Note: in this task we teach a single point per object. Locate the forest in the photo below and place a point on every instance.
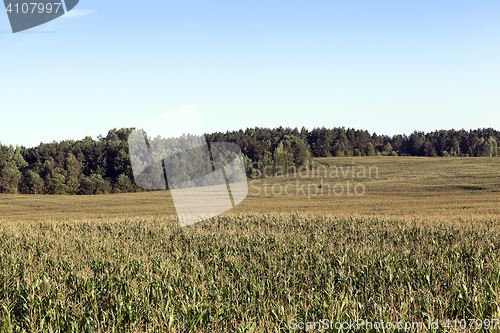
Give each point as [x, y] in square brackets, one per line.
[88, 166]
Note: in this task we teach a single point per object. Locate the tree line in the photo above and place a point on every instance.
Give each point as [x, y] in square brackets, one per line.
[91, 166]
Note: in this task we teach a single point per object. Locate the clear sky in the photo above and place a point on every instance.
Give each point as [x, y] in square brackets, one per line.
[386, 66]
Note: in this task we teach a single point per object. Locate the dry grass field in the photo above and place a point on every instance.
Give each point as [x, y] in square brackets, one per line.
[406, 187]
[422, 244]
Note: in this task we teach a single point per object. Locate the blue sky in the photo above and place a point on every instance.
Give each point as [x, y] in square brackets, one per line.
[386, 66]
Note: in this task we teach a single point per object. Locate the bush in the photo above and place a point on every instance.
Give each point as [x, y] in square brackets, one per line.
[94, 184]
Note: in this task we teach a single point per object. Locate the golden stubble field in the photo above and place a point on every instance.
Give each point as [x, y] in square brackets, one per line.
[409, 187]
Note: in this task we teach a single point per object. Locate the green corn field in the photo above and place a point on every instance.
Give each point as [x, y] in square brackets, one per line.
[245, 273]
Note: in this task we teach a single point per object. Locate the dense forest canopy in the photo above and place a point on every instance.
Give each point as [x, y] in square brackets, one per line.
[103, 166]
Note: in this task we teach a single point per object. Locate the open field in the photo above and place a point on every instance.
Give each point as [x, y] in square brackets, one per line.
[422, 244]
[405, 187]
